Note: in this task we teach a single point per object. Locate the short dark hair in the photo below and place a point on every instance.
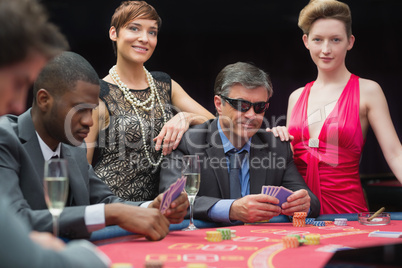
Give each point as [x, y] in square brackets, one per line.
[129, 11]
[246, 74]
[62, 73]
[24, 28]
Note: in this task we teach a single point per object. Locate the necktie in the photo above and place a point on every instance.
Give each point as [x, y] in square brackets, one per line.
[235, 161]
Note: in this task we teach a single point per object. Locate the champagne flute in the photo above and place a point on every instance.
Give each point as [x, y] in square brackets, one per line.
[191, 171]
[55, 186]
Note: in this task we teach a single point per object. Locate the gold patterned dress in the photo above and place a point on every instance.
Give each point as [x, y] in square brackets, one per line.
[120, 158]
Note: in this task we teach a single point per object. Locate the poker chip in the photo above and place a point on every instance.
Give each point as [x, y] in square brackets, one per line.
[196, 265]
[312, 239]
[290, 242]
[310, 220]
[319, 223]
[328, 223]
[341, 222]
[121, 265]
[299, 219]
[233, 233]
[152, 264]
[226, 233]
[295, 235]
[300, 215]
[299, 238]
[214, 236]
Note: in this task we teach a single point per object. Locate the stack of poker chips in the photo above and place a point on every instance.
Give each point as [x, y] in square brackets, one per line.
[196, 265]
[300, 238]
[153, 264]
[290, 242]
[341, 221]
[299, 219]
[319, 223]
[214, 236]
[310, 220]
[328, 223]
[226, 233]
[312, 239]
[121, 265]
[233, 232]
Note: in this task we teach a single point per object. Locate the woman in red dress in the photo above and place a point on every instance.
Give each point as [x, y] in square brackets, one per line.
[330, 116]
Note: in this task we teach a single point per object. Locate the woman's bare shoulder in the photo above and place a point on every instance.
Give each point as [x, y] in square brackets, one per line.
[294, 96]
[368, 87]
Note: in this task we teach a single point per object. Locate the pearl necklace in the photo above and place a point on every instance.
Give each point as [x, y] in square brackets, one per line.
[137, 103]
[129, 96]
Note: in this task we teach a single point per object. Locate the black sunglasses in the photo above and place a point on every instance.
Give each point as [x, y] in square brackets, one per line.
[244, 106]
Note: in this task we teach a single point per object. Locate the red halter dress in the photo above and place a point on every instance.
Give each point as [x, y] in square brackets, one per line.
[330, 165]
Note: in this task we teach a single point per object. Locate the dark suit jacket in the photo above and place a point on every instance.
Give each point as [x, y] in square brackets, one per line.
[18, 250]
[21, 178]
[271, 163]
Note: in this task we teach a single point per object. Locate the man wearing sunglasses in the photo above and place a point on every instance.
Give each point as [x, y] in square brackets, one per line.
[230, 193]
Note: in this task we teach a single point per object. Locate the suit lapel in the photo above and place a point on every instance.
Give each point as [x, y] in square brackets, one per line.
[259, 175]
[76, 181]
[215, 151]
[29, 140]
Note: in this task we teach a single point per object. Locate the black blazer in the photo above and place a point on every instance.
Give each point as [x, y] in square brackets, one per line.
[271, 163]
[21, 178]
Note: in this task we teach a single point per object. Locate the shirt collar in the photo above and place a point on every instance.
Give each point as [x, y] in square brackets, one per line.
[46, 151]
[227, 145]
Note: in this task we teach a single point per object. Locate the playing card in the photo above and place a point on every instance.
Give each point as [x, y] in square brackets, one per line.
[264, 189]
[282, 195]
[270, 189]
[172, 193]
[275, 191]
[279, 192]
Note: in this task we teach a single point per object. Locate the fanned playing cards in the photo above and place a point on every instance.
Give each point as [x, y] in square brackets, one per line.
[172, 193]
[279, 192]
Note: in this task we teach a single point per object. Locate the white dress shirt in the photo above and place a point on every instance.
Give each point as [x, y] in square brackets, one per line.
[94, 214]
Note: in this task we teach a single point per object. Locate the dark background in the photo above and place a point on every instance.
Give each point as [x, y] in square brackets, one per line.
[199, 38]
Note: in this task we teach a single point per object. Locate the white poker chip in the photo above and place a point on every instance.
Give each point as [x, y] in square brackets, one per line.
[340, 221]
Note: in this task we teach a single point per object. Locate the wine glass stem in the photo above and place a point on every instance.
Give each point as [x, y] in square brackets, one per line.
[55, 225]
[191, 214]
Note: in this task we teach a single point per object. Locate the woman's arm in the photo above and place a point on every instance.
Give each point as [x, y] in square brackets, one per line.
[282, 131]
[194, 112]
[190, 113]
[380, 121]
[100, 118]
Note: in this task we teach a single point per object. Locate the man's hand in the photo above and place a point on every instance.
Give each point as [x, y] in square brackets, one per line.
[177, 209]
[253, 208]
[299, 201]
[147, 221]
[47, 240]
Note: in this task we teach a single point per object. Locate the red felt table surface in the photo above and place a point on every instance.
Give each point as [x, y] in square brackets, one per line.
[255, 246]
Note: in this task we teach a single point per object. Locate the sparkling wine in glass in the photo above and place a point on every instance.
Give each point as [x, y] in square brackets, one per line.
[55, 186]
[191, 171]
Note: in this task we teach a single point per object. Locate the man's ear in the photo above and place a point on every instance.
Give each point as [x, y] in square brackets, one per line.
[44, 100]
[218, 104]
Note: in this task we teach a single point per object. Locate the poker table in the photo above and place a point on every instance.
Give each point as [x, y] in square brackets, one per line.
[255, 245]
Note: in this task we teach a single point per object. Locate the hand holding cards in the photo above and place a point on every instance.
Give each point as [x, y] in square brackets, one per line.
[172, 193]
[279, 192]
